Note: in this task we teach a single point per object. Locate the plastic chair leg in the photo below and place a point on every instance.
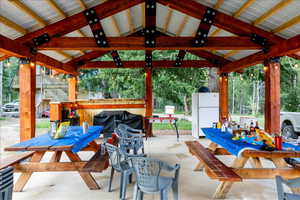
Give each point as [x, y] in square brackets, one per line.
[124, 181]
[143, 150]
[175, 191]
[140, 195]
[111, 178]
[164, 194]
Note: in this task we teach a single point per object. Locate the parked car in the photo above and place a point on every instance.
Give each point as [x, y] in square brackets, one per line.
[46, 114]
[290, 124]
[11, 107]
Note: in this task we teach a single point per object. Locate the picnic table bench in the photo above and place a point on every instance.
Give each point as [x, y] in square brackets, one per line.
[222, 145]
[73, 142]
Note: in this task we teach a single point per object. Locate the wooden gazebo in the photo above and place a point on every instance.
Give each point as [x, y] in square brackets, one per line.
[230, 35]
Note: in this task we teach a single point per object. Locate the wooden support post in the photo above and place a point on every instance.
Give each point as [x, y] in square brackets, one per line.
[72, 88]
[272, 95]
[27, 82]
[223, 90]
[148, 99]
[55, 112]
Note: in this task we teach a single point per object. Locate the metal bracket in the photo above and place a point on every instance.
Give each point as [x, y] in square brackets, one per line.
[91, 16]
[150, 7]
[260, 41]
[148, 59]
[150, 36]
[116, 58]
[202, 33]
[80, 63]
[24, 60]
[100, 38]
[179, 58]
[209, 16]
[42, 39]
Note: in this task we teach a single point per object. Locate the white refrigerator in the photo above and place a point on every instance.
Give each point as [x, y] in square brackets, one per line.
[205, 111]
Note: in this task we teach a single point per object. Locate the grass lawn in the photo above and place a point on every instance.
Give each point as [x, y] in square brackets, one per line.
[43, 123]
[2, 118]
[182, 125]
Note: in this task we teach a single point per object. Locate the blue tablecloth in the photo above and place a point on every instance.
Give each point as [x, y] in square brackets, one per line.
[235, 147]
[74, 137]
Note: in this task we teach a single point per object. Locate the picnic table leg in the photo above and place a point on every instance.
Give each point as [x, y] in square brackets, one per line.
[255, 162]
[24, 177]
[86, 176]
[225, 186]
[56, 156]
[279, 162]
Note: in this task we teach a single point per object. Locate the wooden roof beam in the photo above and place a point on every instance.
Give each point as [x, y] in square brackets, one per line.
[12, 25]
[78, 21]
[86, 58]
[137, 43]
[13, 48]
[59, 11]
[222, 20]
[263, 17]
[155, 64]
[182, 25]
[272, 11]
[36, 17]
[287, 47]
[287, 24]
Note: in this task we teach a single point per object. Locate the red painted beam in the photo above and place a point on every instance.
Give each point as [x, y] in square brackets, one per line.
[137, 43]
[78, 21]
[287, 47]
[13, 48]
[222, 20]
[156, 64]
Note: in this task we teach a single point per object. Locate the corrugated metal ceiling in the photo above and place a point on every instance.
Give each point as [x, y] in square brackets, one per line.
[71, 7]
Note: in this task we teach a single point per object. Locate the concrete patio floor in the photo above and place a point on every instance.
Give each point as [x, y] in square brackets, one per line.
[193, 185]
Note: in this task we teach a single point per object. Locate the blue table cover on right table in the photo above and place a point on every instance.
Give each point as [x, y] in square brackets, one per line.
[236, 147]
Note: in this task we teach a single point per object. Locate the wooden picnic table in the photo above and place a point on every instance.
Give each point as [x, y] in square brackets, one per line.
[73, 142]
[237, 172]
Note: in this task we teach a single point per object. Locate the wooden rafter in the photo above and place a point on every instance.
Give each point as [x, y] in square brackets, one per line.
[168, 19]
[272, 11]
[86, 58]
[28, 11]
[287, 24]
[137, 43]
[82, 4]
[218, 4]
[286, 47]
[12, 25]
[13, 48]
[222, 20]
[116, 25]
[59, 11]
[246, 5]
[77, 21]
[182, 25]
[210, 56]
[36, 17]
[143, 15]
[155, 64]
[130, 20]
[263, 17]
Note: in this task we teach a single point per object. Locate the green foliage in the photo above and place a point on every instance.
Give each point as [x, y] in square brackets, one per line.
[10, 71]
[43, 124]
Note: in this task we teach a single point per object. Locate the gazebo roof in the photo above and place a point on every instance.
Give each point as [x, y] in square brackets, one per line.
[20, 17]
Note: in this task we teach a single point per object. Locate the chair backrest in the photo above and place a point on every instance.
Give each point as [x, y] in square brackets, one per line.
[147, 171]
[115, 155]
[292, 183]
[6, 183]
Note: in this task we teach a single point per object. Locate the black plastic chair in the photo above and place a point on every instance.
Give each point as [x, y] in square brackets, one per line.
[6, 183]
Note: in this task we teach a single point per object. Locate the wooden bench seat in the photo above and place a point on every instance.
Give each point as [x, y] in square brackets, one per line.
[216, 169]
[97, 163]
[9, 161]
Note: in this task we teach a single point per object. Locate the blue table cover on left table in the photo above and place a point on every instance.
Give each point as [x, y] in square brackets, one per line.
[74, 137]
[235, 147]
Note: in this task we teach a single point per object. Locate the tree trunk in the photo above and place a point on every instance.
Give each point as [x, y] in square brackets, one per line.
[213, 83]
[186, 105]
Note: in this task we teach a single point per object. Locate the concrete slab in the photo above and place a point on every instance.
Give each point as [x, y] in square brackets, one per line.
[193, 185]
